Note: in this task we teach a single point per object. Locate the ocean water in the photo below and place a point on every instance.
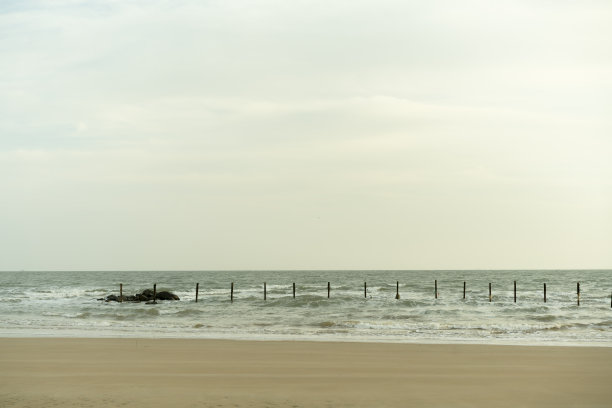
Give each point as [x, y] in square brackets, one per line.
[63, 304]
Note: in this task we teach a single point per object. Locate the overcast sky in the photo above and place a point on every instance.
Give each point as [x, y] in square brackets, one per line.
[305, 134]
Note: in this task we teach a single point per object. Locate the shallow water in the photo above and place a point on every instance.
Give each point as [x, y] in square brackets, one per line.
[63, 304]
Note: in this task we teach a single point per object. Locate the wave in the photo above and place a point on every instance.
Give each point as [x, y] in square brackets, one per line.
[187, 313]
[11, 300]
[543, 318]
[604, 324]
[556, 328]
[130, 314]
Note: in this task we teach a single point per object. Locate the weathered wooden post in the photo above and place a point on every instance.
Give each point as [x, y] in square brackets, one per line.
[197, 289]
[265, 292]
[436, 288]
[155, 293]
[232, 292]
[397, 296]
[121, 292]
[328, 289]
[490, 296]
[578, 292]
[514, 291]
[464, 290]
[365, 289]
[294, 290]
[610, 300]
[544, 293]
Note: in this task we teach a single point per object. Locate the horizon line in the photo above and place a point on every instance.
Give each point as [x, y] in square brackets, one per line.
[310, 270]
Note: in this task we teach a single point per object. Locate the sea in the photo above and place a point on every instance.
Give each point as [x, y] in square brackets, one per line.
[361, 306]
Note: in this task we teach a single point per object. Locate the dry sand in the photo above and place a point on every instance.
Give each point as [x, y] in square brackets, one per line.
[216, 373]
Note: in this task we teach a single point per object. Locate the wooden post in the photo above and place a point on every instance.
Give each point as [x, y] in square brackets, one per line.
[232, 292]
[155, 293]
[544, 293]
[397, 296]
[514, 291]
[490, 296]
[121, 292]
[578, 292]
[436, 288]
[365, 289]
[610, 300]
[265, 292]
[294, 290]
[464, 290]
[328, 289]
[197, 289]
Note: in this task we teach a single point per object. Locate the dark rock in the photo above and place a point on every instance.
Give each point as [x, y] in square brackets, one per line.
[145, 296]
[148, 293]
[166, 296]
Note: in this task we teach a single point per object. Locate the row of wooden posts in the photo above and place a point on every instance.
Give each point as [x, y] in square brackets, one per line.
[365, 291]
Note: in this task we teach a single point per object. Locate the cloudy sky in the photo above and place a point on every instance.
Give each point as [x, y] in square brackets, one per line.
[298, 134]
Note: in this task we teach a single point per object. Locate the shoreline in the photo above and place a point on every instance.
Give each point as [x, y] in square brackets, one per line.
[132, 372]
[326, 339]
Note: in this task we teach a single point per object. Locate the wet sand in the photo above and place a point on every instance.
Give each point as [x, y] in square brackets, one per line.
[220, 373]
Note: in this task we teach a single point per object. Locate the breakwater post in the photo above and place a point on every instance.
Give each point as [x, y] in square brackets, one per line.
[294, 290]
[514, 291]
[463, 290]
[265, 292]
[578, 292]
[397, 296]
[436, 288]
[197, 289]
[365, 289]
[121, 292]
[328, 289]
[544, 293]
[490, 296]
[155, 293]
[232, 292]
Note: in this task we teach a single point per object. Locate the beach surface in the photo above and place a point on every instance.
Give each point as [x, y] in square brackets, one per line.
[37, 372]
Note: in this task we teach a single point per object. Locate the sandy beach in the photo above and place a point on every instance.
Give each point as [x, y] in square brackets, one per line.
[218, 373]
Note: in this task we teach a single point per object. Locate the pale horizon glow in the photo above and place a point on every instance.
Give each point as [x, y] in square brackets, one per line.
[247, 135]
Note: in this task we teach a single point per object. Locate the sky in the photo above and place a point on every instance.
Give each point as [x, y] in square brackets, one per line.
[270, 134]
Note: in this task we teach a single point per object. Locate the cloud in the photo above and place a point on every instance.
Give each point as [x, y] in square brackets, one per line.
[375, 135]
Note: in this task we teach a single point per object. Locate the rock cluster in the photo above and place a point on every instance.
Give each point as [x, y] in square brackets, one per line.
[145, 296]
